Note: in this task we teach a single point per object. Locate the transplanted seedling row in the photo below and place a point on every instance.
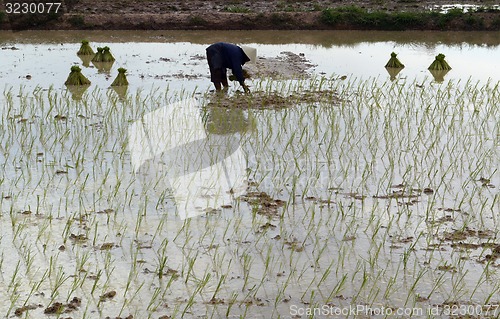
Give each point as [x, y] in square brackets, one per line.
[377, 193]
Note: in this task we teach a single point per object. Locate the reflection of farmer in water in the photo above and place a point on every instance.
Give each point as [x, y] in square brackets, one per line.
[196, 155]
[222, 120]
[222, 56]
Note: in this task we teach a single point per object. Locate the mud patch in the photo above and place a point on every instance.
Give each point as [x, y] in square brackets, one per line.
[59, 308]
[273, 100]
[286, 66]
[109, 295]
[264, 204]
[19, 311]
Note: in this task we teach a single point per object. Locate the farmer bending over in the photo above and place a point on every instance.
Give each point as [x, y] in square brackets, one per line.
[222, 56]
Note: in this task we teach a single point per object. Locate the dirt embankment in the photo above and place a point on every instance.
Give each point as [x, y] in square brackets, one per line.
[255, 15]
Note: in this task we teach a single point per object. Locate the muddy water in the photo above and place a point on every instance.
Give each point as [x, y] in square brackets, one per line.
[387, 196]
[176, 59]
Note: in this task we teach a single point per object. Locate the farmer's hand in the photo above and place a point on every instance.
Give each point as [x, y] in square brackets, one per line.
[245, 87]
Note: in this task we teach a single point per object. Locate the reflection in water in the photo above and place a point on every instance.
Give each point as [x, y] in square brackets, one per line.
[221, 120]
[439, 75]
[121, 91]
[204, 170]
[103, 67]
[321, 38]
[85, 60]
[156, 59]
[77, 91]
[393, 72]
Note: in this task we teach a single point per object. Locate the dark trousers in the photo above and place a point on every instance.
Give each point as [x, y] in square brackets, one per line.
[218, 73]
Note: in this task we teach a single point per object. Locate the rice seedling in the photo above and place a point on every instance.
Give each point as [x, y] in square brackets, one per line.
[85, 49]
[372, 195]
[98, 57]
[439, 63]
[394, 62]
[76, 78]
[121, 79]
[106, 55]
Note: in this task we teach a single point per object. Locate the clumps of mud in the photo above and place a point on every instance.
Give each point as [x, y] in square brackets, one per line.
[107, 246]
[286, 66]
[215, 301]
[19, 311]
[463, 234]
[109, 295]
[56, 308]
[485, 182]
[105, 211]
[167, 272]
[80, 238]
[180, 76]
[469, 239]
[295, 245]
[405, 195]
[264, 204]
[59, 308]
[273, 100]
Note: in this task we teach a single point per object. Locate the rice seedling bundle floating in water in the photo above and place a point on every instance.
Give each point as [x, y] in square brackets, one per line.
[98, 55]
[85, 49]
[121, 78]
[76, 77]
[394, 62]
[439, 63]
[106, 55]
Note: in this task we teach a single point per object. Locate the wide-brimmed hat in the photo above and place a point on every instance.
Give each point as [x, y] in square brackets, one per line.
[250, 52]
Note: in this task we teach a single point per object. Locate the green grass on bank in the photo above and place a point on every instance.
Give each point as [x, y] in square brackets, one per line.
[382, 20]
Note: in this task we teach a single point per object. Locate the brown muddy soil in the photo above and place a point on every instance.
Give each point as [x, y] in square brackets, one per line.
[267, 6]
[229, 15]
[287, 65]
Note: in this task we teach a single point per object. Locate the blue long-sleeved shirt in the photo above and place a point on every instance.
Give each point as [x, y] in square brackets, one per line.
[232, 57]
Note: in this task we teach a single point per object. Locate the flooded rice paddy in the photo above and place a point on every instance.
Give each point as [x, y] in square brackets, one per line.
[339, 192]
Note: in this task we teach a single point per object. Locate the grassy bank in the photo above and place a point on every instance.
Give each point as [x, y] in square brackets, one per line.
[357, 18]
[243, 18]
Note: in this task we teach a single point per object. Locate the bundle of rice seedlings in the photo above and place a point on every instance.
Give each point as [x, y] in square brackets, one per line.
[76, 77]
[85, 49]
[394, 62]
[120, 79]
[246, 75]
[98, 56]
[439, 63]
[106, 55]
